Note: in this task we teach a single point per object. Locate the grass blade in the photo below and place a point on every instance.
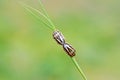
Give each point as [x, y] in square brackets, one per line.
[45, 12]
[79, 69]
[43, 9]
[29, 9]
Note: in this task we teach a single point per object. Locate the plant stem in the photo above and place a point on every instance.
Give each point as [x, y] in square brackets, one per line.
[78, 68]
[45, 12]
[29, 9]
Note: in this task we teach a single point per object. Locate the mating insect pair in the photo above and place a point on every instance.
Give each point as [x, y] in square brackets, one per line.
[57, 35]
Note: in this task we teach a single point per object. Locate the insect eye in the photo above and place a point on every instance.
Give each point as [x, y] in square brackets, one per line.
[69, 49]
[57, 35]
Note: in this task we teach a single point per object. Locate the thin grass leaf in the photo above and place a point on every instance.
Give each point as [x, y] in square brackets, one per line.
[45, 12]
[79, 68]
[29, 9]
[52, 25]
[43, 9]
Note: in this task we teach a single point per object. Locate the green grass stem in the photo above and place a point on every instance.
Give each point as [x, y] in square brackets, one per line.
[78, 68]
[45, 12]
[30, 11]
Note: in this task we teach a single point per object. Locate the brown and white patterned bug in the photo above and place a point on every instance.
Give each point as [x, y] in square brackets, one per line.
[69, 49]
[57, 35]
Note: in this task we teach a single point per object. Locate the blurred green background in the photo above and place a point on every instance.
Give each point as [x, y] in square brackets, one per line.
[28, 51]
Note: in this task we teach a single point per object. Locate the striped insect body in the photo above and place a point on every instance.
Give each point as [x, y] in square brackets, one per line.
[57, 35]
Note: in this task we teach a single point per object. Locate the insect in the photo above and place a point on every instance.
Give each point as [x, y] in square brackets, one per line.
[69, 49]
[57, 35]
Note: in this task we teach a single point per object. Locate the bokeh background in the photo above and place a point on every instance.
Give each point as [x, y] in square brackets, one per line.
[28, 51]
